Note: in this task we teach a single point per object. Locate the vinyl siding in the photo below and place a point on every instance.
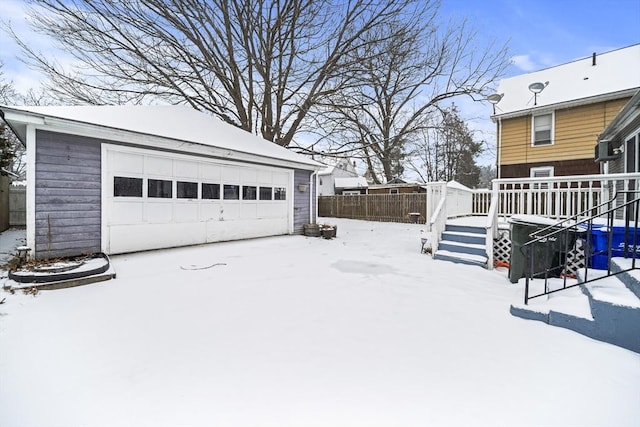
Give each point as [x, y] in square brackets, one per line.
[575, 135]
[67, 195]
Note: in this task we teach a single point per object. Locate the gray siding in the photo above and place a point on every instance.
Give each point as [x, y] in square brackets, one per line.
[67, 195]
[301, 206]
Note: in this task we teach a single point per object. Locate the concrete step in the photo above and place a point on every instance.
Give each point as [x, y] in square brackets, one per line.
[605, 309]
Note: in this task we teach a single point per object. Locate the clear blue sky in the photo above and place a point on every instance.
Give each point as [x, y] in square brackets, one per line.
[543, 33]
[539, 33]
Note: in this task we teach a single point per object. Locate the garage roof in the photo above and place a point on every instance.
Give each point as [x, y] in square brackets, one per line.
[178, 123]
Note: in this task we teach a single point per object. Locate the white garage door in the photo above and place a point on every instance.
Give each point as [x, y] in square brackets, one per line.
[155, 200]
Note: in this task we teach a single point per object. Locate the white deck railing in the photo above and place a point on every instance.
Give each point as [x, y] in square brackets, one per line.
[554, 197]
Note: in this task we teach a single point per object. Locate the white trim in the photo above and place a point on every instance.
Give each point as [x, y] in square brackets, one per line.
[290, 201]
[549, 169]
[115, 135]
[633, 135]
[104, 193]
[31, 188]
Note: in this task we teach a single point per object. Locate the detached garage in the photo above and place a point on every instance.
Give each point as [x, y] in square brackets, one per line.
[119, 179]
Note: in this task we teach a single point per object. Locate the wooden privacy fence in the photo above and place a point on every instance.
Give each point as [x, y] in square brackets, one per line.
[375, 207]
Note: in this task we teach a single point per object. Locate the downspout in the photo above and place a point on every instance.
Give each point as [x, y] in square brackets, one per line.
[498, 140]
[313, 181]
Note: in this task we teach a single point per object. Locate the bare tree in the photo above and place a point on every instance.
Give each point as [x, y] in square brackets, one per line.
[11, 150]
[447, 151]
[261, 65]
[400, 86]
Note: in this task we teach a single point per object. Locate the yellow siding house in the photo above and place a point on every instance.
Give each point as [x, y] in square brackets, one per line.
[548, 122]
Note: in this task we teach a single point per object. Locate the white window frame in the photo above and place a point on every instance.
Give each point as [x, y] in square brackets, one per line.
[532, 174]
[633, 138]
[351, 193]
[552, 133]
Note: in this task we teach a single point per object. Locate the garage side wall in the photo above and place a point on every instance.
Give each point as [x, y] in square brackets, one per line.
[67, 195]
[303, 205]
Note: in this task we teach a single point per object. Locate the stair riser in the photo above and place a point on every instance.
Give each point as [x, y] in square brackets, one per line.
[465, 229]
[629, 281]
[461, 249]
[617, 325]
[473, 240]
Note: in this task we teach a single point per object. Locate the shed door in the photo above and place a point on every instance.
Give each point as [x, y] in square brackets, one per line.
[156, 200]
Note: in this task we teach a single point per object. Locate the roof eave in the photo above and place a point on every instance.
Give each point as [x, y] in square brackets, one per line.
[145, 139]
[566, 104]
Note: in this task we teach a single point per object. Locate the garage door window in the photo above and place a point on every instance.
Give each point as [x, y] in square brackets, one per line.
[187, 190]
[160, 188]
[280, 193]
[127, 187]
[231, 192]
[210, 191]
[249, 192]
[266, 193]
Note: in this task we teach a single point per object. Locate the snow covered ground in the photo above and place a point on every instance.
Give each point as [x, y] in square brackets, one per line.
[362, 330]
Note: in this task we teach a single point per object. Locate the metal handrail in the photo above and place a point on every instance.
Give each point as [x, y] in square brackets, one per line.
[551, 233]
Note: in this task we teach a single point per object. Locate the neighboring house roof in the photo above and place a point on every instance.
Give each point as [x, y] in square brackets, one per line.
[355, 182]
[404, 185]
[327, 171]
[178, 123]
[615, 74]
[343, 165]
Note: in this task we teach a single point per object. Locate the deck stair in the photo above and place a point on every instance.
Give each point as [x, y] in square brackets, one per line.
[463, 244]
[606, 310]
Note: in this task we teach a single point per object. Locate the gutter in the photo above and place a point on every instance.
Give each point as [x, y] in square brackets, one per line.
[24, 143]
[567, 104]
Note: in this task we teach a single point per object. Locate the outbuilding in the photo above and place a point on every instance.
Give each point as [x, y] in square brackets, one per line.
[118, 179]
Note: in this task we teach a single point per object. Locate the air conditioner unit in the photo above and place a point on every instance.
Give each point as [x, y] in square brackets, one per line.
[604, 151]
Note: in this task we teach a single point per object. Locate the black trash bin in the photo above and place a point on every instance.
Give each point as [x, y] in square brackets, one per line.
[548, 255]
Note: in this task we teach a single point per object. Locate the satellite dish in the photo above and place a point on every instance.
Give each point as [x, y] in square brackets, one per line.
[537, 87]
[494, 98]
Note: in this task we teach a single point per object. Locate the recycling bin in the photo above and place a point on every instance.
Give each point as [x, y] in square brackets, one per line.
[622, 244]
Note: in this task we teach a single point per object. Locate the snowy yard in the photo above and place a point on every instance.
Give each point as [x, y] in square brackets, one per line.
[362, 330]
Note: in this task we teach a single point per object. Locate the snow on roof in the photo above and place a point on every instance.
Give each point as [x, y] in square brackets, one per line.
[327, 171]
[180, 123]
[355, 182]
[615, 71]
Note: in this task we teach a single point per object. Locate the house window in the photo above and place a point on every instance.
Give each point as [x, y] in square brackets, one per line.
[279, 193]
[231, 192]
[266, 193]
[541, 172]
[127, 187]
[187, 190]
[210, 191]
[542, 129]
[159, 188]
[351, 192]
[393, 191]
[249, 192]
